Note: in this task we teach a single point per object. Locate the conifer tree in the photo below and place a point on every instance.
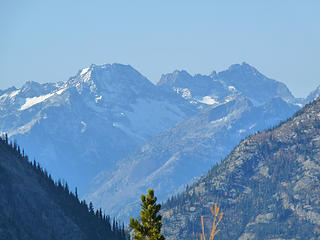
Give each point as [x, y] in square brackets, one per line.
[150, 226]
[91, 210]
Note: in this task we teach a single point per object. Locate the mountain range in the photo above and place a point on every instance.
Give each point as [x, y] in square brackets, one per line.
[113, 133]
[78, 127]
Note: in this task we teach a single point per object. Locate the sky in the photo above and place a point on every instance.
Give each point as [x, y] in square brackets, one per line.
[49, 41]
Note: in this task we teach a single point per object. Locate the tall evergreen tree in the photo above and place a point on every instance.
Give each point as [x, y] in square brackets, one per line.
[150, 226]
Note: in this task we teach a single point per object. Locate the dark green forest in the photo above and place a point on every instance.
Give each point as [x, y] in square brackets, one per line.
[34, 215]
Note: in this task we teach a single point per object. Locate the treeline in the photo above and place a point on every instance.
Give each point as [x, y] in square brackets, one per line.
[95, 223]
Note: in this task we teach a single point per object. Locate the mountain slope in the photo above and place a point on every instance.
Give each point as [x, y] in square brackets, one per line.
[177, 156]
[90, 121]
[33, 207]
[268, 187]
[198, 89]
[313, 95]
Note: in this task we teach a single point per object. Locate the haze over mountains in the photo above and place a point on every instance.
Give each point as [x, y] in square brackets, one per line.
[112, 133]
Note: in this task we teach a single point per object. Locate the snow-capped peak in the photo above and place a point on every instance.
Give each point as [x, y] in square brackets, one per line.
[110, 81]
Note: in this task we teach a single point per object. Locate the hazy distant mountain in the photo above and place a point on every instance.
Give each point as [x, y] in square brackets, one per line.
[257, 87]
[179, 155]
[33, 207]
[268, 187]
[217, 87]
[78, 127]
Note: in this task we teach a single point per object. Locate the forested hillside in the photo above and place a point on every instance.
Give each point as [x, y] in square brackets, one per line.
[268, 187]
[33, 206]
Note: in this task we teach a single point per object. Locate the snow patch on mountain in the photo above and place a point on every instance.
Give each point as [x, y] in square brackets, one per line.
[98, 99]
[84, 71]
[9, 94]
[60, 91]
[85, 74]
[34, 100]
[208, 100]
[185, 92]
[14, 93]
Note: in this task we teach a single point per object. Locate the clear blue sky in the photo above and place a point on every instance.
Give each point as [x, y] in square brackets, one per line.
[48, 41]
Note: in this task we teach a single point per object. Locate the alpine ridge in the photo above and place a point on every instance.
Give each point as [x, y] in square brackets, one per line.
[217, 87]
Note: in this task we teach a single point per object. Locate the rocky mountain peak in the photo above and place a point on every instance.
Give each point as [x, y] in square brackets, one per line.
[33, 89]
[112, 80]
[11, 89]
[244, 67]
[111, 73]
[177, 77]
[254, 84]
[214, 88]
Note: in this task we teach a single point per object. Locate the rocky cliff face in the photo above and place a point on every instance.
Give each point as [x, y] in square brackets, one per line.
[268, 187]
